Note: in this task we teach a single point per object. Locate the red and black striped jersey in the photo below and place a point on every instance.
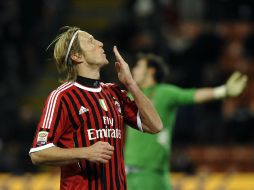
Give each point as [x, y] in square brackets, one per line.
[76, 115]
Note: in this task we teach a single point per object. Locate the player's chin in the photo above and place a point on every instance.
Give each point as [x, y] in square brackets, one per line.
[104, 59]
[104, 63]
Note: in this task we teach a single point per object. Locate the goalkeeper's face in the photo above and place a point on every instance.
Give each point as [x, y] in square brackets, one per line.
[140, 72]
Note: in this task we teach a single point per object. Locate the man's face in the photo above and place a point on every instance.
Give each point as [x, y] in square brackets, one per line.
[92, 49]
[140, 71]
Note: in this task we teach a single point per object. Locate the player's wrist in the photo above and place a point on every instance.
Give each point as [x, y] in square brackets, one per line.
[220, 92]
[81, 154]
[130, 85]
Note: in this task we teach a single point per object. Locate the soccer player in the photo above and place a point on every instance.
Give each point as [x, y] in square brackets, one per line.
[146, 156]
[81, 127]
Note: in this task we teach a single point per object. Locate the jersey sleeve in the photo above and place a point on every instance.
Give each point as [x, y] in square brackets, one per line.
[131, 113]
[51, 124]
[179, 96]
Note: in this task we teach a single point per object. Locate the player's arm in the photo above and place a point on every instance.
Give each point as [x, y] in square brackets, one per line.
[151, 121]
[100, 152]
[233, 87]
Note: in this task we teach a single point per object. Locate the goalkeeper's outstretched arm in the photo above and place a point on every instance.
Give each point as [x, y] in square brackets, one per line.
[232, 88]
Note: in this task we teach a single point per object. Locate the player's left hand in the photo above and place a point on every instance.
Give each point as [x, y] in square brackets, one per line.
[123, 70]
[236, 84]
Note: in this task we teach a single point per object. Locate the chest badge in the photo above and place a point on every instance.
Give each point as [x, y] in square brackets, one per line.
[103, 104]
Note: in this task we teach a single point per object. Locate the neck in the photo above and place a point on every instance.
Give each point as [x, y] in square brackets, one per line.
[148, 83]
[85, 70]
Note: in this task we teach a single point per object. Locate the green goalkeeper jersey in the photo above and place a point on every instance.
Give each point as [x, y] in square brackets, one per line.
[149, 151]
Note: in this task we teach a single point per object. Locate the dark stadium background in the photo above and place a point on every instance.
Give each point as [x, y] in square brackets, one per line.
[203, 41]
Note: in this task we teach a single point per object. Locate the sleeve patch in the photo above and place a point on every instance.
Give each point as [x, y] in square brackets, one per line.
[42, 138]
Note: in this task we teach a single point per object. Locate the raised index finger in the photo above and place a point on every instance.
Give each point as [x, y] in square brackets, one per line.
[117, 54]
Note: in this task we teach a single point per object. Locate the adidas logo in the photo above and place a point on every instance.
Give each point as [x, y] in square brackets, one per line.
[82, 110]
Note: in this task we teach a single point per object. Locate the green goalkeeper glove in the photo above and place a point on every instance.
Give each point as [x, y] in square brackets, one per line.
[233, 87]
[236, 84]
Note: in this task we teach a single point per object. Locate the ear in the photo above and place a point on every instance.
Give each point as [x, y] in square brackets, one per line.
[151, 71]
[77, 58]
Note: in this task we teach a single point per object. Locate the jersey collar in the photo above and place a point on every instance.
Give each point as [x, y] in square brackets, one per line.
[88, 84]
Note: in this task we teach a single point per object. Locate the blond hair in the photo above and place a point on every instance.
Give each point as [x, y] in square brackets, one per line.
[62, 58]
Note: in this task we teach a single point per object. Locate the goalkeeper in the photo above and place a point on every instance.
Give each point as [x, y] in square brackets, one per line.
[146, 156]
